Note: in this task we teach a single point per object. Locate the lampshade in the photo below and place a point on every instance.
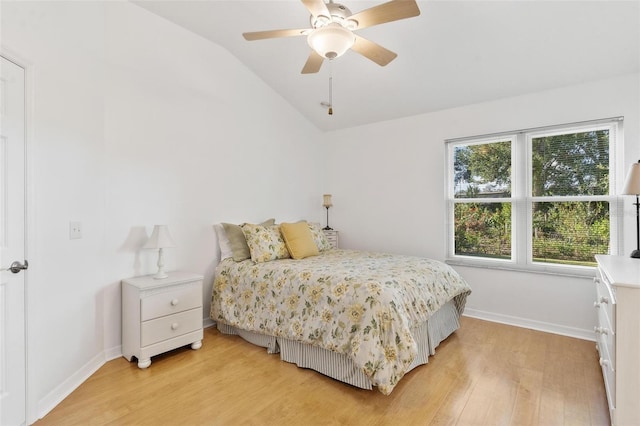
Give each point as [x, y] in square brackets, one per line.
[326, 201]
[632, 183]
[331, 41]
[160, 238]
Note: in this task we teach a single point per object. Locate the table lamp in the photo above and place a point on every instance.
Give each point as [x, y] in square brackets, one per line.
[160, 239]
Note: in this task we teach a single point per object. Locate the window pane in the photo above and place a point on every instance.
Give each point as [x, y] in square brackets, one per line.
[571, 164]
[482, 170]
[483, 229]
[570, 232]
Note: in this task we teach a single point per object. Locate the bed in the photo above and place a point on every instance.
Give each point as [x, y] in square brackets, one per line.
[363, 318]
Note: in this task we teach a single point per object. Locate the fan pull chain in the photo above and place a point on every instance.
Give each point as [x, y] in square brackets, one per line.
[330, 87]
[330, 95]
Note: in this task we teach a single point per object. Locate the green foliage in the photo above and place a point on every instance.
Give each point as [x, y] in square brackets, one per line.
[571, 164]
[483, 165]
[483, 229]
[575, 164]
[570, 231]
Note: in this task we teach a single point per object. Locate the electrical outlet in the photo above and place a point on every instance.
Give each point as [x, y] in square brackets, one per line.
[75, 230]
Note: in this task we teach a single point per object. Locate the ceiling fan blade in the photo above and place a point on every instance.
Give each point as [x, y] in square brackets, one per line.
[313, 64]
[386, 12]
[261, 35]
[373, 51]
[317, 7]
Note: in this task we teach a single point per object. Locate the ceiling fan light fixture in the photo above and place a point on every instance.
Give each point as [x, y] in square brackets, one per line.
[331, 41]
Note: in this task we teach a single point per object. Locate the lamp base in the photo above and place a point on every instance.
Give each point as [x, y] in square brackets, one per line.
[635, 254]
[161, 274]
[326, 228]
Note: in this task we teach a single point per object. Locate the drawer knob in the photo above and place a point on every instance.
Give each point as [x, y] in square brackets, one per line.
[174, 326]
[604, 299]
[596, 304]
[174, 302]
[604, 362]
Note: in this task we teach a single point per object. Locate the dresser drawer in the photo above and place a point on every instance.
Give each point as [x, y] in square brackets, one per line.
[167, 327]
[606, 336]
[605, 300]
[170, 301]
[608, 374]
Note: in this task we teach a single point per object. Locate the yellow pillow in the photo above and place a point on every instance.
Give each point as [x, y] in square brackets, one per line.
[298, 239]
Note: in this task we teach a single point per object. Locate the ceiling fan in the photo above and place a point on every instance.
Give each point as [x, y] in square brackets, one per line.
[332, 31]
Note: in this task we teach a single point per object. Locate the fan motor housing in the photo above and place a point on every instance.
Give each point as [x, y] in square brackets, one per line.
[339, 14]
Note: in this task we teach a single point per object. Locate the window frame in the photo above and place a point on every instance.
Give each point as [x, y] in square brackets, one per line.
[522, 198]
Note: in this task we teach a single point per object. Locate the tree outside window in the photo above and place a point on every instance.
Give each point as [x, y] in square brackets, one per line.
[533, 197]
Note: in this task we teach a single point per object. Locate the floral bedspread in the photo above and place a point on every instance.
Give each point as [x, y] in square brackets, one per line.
[361, 304]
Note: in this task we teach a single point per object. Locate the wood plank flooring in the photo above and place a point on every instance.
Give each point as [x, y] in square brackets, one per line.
[484, 374]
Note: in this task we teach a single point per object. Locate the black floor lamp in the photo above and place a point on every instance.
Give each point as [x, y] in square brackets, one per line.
[632, 187]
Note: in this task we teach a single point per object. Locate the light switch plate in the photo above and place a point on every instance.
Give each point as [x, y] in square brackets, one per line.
[75, 230]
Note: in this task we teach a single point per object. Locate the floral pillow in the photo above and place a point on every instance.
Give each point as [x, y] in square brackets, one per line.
[319, 237]
[237, 240]
[265, 242]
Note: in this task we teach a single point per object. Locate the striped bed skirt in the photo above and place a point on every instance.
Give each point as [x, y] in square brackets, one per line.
[338, 366]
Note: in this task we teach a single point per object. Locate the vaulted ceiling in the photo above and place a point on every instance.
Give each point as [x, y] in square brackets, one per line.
[454, 53]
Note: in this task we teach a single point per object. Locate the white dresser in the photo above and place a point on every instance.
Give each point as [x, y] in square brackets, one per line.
[332, 237]
[160, 314]
[618, 335]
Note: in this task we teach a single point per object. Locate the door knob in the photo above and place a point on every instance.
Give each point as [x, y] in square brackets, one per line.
[16, 266]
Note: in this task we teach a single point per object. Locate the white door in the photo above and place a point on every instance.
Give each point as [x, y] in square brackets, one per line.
[12, 245]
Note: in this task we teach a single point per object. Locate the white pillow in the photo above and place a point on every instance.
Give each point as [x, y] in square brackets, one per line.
[223, 242]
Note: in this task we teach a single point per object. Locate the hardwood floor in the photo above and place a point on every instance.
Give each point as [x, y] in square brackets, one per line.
[484, 374]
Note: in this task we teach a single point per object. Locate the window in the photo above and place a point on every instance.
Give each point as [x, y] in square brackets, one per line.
[538, 199]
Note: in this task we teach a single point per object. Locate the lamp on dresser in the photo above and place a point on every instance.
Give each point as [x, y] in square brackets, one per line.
[326, 203]
[160, 239]
[632, 187]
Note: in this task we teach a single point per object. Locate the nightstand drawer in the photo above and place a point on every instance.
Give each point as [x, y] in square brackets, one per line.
[183, 298]
[332, 237]
[165, 328]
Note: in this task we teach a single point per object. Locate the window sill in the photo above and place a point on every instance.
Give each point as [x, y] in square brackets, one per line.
[546, 269]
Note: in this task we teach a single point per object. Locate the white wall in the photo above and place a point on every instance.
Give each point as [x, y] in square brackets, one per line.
[192, 138]
[134, 122]
[65, 80]
[387, 181]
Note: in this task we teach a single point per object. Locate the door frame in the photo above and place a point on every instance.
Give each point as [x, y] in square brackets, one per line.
[31, 414]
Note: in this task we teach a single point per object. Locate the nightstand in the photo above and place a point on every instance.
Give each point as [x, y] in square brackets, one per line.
[332, 237]
[159, 315]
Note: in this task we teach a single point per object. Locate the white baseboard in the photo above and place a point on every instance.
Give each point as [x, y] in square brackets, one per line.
[113, 353]
[208, 322]
[49, 402]
[578, 333]
[65, 388]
